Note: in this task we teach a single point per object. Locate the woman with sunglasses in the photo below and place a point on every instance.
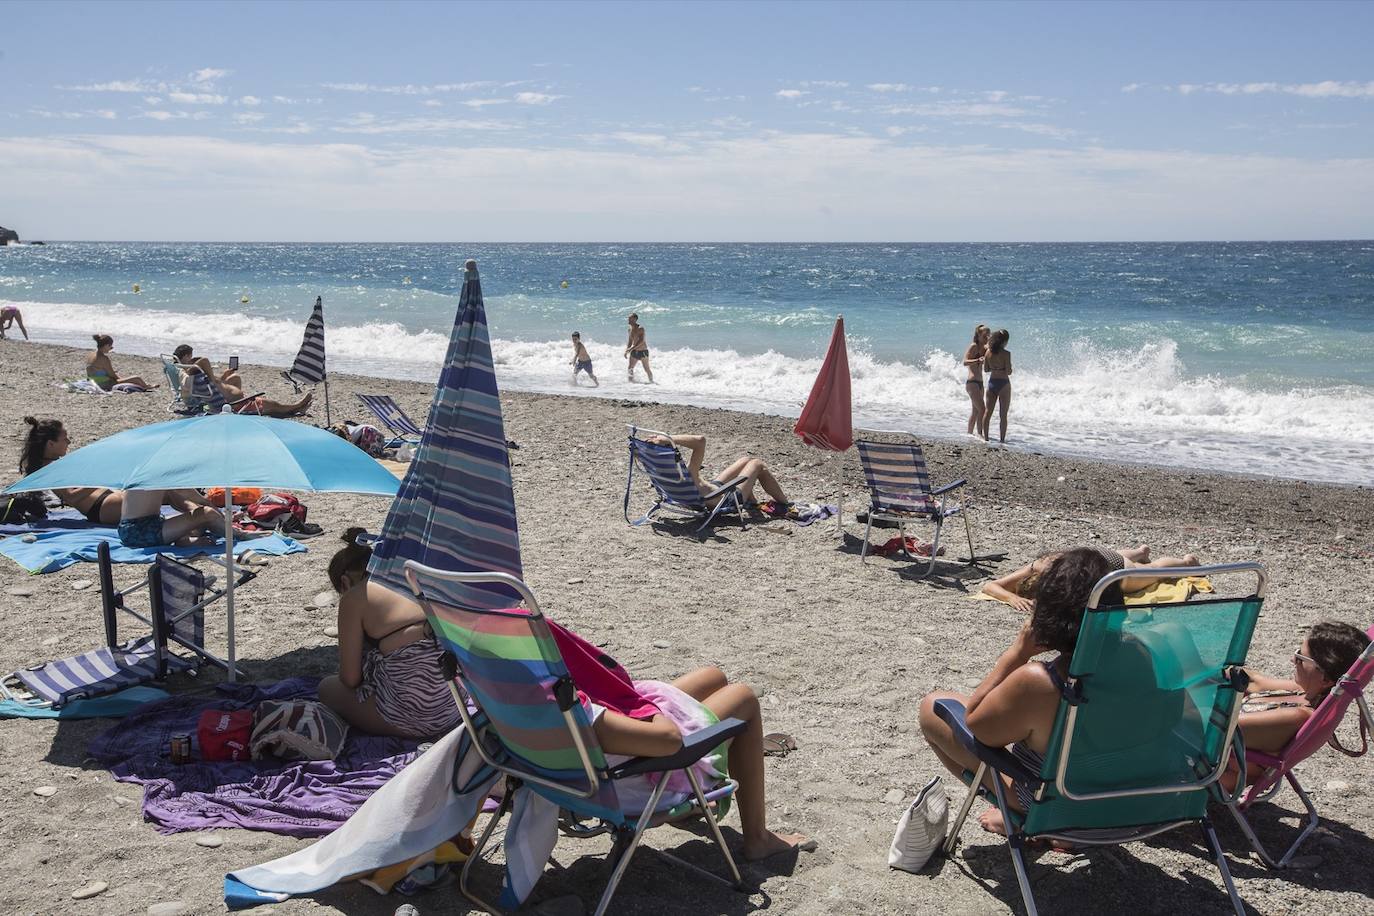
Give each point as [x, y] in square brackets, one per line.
[1274, 708]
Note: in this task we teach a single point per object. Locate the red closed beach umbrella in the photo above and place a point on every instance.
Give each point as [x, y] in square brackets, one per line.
[827, 419]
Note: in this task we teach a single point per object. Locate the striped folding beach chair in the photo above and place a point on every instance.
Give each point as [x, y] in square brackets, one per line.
[177, 596]
[391, 415]
[1318, 730]
[1147, 721]
[668, 475]
[899, 487]
[529, 725]
[203, 397]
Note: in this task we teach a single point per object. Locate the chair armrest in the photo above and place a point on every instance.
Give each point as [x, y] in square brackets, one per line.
[949, 486]
[1000, 759]
[725, 487]
[696, 746]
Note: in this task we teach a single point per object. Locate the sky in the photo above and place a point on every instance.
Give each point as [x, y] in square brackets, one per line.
[697, 121]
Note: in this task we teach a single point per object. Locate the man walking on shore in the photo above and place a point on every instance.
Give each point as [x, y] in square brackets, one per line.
[637, 348]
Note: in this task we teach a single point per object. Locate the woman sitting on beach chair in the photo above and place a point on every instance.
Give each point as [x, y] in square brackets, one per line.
[1016, 704]
[1018, 588]
[47, 441]
[751, 468]
[100, 370]
[230, 385]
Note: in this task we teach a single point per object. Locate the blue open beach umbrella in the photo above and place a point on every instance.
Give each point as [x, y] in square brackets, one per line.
[221, 450]
[456, 510]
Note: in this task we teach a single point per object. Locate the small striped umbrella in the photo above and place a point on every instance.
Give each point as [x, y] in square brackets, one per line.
[456, 510]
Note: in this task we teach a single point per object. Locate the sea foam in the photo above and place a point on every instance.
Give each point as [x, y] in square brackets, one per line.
[1138, 406]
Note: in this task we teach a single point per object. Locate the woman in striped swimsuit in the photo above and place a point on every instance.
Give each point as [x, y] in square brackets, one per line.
[1016, 703]
[389, 680]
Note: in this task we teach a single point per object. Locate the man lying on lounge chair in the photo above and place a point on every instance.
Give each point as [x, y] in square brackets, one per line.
[751, 468]
[230, 385]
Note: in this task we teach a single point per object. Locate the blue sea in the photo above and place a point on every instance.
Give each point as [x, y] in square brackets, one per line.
[1251, 357]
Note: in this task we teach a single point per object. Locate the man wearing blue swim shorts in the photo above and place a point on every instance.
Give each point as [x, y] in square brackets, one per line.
[582, 360]
[637, 348]
[141, 523]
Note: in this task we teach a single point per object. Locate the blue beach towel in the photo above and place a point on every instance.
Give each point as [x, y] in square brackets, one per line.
[114, 706]
[54, 550]
[63, 519]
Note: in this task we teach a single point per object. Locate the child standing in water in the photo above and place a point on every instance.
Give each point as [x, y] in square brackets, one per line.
[582, 360]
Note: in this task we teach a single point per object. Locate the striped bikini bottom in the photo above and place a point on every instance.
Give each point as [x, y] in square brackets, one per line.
[409, 688]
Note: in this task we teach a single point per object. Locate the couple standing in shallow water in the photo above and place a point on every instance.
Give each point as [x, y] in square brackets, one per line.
[989, 353]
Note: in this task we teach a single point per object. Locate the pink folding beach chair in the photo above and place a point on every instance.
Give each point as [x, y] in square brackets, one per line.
[1318, 730]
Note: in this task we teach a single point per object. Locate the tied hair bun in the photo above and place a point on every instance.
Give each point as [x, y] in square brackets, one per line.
[32, 421]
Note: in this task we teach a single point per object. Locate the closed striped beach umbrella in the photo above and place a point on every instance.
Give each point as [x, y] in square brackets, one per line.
[455, 510]
[309, 364]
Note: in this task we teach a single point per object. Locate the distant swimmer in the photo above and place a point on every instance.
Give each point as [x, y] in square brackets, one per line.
[637, 348]
[10, 314]
[138, 287]
[973, 385]
[582, 360]
[405, 281]
[997, 362]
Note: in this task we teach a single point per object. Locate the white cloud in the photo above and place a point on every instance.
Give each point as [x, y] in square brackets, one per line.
[250, 100]
[889, 87]
[119, 86]
[1327, 89]
[996, 95]
[208, 75]
[954, 109]
[160, 115]
[1132, 87]
[432, 103]
[826, 84]
[483, 103]
[790, 93]
[408, 89]
[152, 100]
[248, 117]
[106, 114]
[369, 124]
[197, 98]
[536, 98]
[287, 100]
[767, 186]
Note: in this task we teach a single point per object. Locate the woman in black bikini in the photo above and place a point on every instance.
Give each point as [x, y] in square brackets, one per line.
[47, 441]
[389, 680]
[973, 385]
[997, 362]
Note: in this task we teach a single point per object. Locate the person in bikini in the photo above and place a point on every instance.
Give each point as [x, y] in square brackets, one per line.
[1016, 704]
[582, 360]
[1017, 588]
[997, 362]
[753, 469]
[47, 441]
[973, 385]
[389, 680]
[637, 348]
[100, 370]
[10, 314]
[230, 385]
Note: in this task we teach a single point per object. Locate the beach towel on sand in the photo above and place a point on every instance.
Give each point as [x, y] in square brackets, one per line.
[51, 550]
[300, 798]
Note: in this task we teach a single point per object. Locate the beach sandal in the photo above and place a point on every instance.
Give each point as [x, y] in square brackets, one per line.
[778, 745]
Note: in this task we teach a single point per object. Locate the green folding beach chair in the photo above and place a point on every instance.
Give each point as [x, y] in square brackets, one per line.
[1144, 728]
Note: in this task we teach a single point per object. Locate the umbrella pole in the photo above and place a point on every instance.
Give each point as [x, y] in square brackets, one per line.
[229, 571]
[839, 495]
[328, 423]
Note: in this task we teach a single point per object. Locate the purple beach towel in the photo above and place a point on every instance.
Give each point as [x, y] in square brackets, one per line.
[300, 798]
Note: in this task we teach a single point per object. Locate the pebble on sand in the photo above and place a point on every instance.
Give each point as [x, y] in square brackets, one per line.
[167, 908]
[45, 791]
[86, 891]
[23, 591]
[82, 584]
[210, 840]
[575, 581]
[331, 631]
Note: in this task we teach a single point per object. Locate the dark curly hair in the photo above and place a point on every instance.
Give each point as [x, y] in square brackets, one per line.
[1062, 595]
[351, 560]
[1335, 646]
[34, 454]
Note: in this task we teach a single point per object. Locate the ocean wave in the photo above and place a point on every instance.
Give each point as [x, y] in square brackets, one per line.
[1137, 405]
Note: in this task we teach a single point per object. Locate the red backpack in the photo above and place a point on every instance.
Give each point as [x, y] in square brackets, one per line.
[273, 510]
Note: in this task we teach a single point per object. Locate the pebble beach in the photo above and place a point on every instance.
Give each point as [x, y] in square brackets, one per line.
[840, 653]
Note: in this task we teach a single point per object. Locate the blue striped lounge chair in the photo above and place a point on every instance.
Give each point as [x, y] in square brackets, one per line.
[392, 417]
[667, 474]
[520, 703]
[177, 596]
[899, 487]
[203, 398]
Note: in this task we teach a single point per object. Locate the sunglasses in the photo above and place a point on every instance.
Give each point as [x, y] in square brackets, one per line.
[1298, 656]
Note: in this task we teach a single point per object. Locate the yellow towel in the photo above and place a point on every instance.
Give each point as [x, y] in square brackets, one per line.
[384, 879]
[397, 468]
[1165, 591]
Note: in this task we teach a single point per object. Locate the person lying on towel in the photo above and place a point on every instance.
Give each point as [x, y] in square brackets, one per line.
[138, 514]
[1018, 588]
